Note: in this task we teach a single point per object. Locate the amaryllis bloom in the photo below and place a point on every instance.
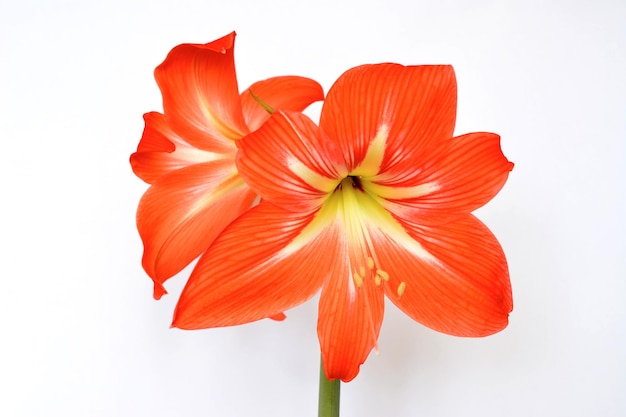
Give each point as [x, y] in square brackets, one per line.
[188, 153]
[374, 202]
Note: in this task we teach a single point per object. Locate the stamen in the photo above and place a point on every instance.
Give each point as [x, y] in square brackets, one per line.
[370, 262]
[358, 279]
[377, 280]
[384, 275]
[401, 288]
[362, 271]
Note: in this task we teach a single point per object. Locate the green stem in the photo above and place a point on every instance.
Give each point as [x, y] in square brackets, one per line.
[329, 395]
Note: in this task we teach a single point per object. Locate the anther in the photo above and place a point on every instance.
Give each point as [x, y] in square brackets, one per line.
[358, 279]
[384, 275]
[401, 288]
[370, 262]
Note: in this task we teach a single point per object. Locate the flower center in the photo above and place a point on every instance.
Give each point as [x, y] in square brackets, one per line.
[353, 181]
[355, 208]
[363, 218]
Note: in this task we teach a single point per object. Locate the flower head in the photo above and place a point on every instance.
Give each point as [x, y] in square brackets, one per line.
[188, 153]
[374, 202]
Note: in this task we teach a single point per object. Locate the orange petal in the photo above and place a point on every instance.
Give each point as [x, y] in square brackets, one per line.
[350, 318]
[451, 179]
[280, 93]
[162, 151]
[455, 277]
[260, 266]
[182, 213]
[290, 162]
[200, 94]
[278, 317]
[411, 106]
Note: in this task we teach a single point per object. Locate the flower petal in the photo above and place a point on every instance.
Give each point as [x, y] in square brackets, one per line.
[278, 317]
[262, 264]
[280, 93]
[350, 318]
[352, 302]
[410, 107]
[452, 278]
[290, 162]
[200, 94]
[162, 151]
[182, 213]
[453, 178]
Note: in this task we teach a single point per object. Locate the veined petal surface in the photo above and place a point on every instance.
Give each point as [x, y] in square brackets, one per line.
[290, 162]
[349, 323]
[455, 276]
[411, 107]
[280, 93]
[352, 302]
[162, 151]
[200, 94]
[182, 213]
[459, 175]
[262, 264]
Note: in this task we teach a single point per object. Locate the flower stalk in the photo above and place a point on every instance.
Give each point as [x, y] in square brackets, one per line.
[329, 395]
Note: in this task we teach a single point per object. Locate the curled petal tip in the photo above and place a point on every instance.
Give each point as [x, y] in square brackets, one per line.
[278, 317]
[159, 291]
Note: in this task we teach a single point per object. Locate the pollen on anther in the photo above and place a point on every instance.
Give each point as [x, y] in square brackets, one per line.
[401, 288]
[377, 280]
[358, 279]
[370, 262]
[362, 271]
[384, 275]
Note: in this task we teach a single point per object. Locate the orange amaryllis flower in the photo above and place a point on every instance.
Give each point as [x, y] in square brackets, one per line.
[375, 201]
[188, 153]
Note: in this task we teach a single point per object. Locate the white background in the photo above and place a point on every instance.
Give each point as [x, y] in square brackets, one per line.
[80, 332]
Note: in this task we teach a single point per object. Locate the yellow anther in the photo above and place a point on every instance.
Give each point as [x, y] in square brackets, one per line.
[377, 280]
[384, 275]
[370, 262]
[358, 279]
[401, 288]
[362, 271]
